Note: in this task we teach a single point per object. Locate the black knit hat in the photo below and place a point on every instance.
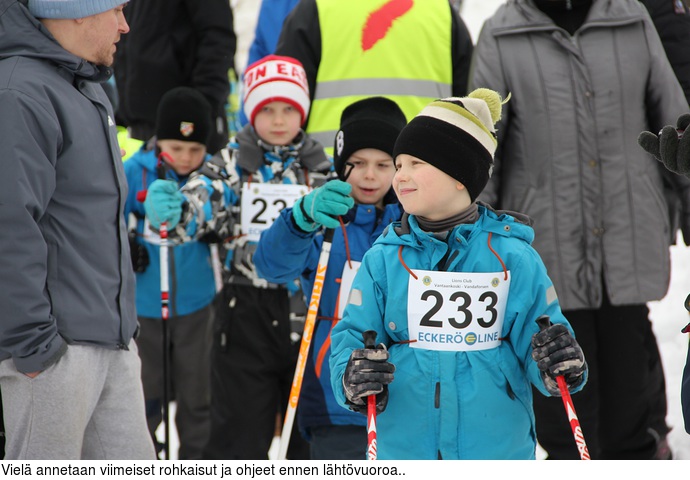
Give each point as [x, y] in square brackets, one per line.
[457, 136]
[373, 122]
[183, 114]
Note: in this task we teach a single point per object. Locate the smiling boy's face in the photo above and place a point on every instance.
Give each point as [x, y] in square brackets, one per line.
[278, 123]
[426, 191]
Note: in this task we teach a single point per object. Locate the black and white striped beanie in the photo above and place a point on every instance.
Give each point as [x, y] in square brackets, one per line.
[457, 136]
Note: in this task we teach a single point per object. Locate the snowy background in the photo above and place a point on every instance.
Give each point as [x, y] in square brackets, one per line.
[668, 315]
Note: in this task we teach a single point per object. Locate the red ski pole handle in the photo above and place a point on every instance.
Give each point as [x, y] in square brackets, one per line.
[544, 322]
[369, 338]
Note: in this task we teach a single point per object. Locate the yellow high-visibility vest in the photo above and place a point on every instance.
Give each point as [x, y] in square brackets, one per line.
[129, 144]
[399, 49]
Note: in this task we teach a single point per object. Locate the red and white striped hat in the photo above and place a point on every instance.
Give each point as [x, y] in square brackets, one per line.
[275, 79]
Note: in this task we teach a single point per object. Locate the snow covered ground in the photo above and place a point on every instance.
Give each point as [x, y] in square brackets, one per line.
[668, 315]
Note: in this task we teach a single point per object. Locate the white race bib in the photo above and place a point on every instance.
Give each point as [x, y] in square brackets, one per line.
[456, 311]
[262, 202]
[346, 280]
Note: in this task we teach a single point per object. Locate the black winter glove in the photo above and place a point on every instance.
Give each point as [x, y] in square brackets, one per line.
[368, 372]
[557, 353]
[671, 147]
[140, 257]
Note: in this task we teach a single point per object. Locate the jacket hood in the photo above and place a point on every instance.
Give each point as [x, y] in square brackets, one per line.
[22, 35]
[516, 14]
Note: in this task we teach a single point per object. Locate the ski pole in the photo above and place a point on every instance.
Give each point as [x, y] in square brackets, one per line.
[370, 342]
[165, 314]
[217, 266]
[309, 323]
[544, 322]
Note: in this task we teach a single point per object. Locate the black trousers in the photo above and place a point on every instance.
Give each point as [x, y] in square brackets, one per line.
[621, 400]
[189, 376]
[252, 366]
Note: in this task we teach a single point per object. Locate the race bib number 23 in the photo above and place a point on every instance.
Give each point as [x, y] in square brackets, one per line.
[455, 311]
[262, 202]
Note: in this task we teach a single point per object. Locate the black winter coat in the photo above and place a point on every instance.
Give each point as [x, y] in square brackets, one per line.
[173, 43]
[672, 21]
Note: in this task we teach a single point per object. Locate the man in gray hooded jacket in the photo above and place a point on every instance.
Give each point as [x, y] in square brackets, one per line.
[69, 370]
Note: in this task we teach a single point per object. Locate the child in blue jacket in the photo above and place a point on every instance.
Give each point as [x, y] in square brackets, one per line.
[453, 291]
[291, 247]
[183, 126]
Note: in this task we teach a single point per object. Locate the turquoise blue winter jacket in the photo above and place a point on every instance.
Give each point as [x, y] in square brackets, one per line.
[192, 286]
[452, 405]
[285, 253]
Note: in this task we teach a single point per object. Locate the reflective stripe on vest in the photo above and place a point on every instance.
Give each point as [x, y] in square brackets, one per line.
[400, 49]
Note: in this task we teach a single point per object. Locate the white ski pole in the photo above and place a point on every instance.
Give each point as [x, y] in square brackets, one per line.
[217, 266]
[165, 314]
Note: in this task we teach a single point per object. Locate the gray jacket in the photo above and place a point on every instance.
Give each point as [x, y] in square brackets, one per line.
[568, 154]
[65, 271]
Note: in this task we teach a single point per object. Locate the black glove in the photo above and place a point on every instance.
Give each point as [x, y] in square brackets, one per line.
[557, 353]
[140, 257]
[368, 372]
[671, 147]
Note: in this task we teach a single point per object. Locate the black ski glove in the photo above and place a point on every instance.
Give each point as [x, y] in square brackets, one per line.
[368, 372]
[557, 353]
[140, 256]
[671, 147]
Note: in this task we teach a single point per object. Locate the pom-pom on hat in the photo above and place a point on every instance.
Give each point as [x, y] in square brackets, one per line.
[373, 122]
[275, 79]
[68, 9]
[183, 114]
[457, 136]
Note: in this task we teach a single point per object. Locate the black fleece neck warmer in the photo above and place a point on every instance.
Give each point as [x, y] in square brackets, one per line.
[469, 215]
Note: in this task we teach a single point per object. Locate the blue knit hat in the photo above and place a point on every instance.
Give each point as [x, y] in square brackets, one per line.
[71, 8]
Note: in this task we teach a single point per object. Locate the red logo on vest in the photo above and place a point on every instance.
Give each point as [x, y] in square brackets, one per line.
[380, 21]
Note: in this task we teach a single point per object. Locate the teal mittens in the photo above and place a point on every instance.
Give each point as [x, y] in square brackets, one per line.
[322, 206]
[163, 203]
[671, 147]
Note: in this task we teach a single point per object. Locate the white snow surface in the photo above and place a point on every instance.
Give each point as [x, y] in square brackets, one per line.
[668, 315]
